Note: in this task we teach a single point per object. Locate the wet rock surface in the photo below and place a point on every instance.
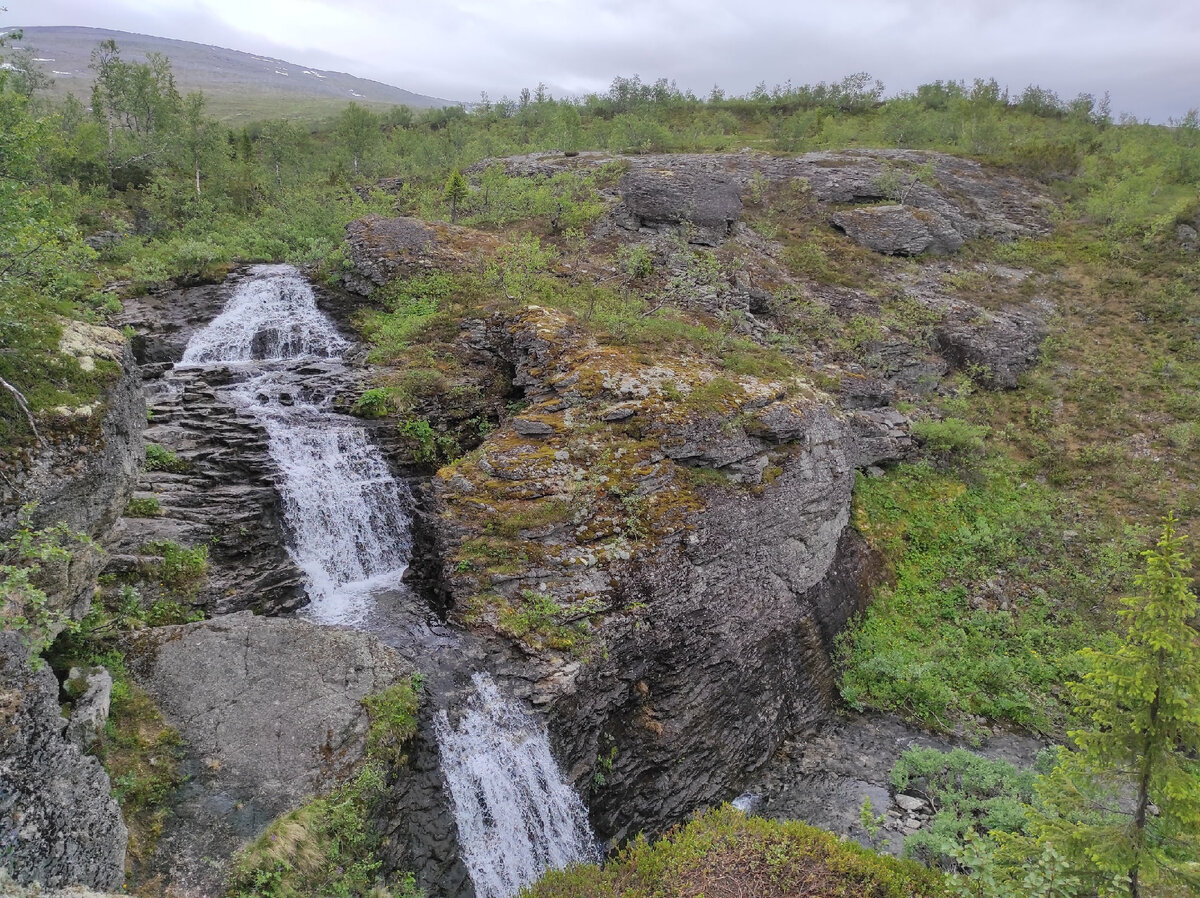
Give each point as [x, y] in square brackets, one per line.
[822, 776]
[222, 493]
[59, 824]
[270, 711]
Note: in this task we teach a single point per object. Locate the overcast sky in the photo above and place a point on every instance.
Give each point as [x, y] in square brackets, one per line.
[1145, 52]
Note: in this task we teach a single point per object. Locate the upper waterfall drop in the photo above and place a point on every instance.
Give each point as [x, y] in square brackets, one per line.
[274, 316]
[517, 816]
[347, 515]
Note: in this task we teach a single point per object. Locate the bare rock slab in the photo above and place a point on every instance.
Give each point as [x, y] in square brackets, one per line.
[899, 230]
[270, 710]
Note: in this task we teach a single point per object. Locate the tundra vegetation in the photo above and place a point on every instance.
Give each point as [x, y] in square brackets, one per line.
[1009, 542]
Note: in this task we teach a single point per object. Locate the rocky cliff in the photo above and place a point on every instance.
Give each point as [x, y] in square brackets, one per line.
[665, 543]
[59, 824]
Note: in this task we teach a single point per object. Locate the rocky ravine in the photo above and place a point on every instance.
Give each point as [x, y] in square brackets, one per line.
[655, 551]
[696, 520]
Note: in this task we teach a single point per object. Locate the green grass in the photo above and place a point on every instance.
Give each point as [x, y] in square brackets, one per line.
[724, 852]
[988, 604]
[143, 507]
[159, 458]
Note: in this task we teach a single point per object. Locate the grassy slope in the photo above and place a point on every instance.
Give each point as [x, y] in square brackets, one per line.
[725, 853]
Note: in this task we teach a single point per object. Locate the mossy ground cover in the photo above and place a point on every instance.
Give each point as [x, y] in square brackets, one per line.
[724, 853]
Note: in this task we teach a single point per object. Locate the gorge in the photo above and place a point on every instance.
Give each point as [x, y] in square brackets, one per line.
[538, 506]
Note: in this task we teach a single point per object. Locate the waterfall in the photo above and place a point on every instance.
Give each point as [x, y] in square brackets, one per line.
[347, 517]
[274, 316]
[516, 815]
[346, 513]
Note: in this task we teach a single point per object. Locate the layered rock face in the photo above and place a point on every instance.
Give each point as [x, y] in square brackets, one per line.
[59, 824]
[697, 521]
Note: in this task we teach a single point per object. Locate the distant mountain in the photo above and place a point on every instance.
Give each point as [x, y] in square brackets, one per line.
[239, 85]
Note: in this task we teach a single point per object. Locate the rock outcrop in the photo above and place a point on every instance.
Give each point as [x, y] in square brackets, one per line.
[382, 249]
[698, 520]
[899, 230]
[84, 471]
[59, 824]
[967, 197]
[270, 711]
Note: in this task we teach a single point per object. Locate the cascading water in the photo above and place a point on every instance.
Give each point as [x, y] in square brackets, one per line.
[347, 514]
[516, 815]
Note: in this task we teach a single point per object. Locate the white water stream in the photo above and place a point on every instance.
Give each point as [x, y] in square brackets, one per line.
[516, 815]
[346, 513]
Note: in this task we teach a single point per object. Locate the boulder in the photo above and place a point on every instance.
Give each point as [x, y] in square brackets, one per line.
[382, 249]
[92, 691]
[706, 201]
[899, 230]
[59, 823]
[999, 346]
[1188, 237]
[270, 711]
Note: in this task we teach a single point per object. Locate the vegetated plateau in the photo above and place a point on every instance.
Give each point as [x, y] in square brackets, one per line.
[945, 343]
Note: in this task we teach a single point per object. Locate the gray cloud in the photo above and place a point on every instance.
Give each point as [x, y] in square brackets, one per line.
[1144, 53]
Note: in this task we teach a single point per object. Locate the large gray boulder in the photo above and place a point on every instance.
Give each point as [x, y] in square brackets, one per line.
[996, 346]
[59, 824]
[899, 230]
[703, 198]
[270, 711]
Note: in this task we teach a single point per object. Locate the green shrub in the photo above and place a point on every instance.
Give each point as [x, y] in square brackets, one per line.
[31, 557]
[636, 261]
[178, 568]
[952, 435]
[143, 507]
[969, 793]
[373, 403]
[159, 458]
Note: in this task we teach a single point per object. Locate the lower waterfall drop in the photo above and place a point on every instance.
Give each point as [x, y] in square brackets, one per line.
[517, 816]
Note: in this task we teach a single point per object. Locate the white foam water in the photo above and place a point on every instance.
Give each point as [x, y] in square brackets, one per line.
[346, 513]
[516, 815]
[274, 316]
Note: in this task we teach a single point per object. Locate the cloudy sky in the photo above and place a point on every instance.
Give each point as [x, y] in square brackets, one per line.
[1145, 52]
